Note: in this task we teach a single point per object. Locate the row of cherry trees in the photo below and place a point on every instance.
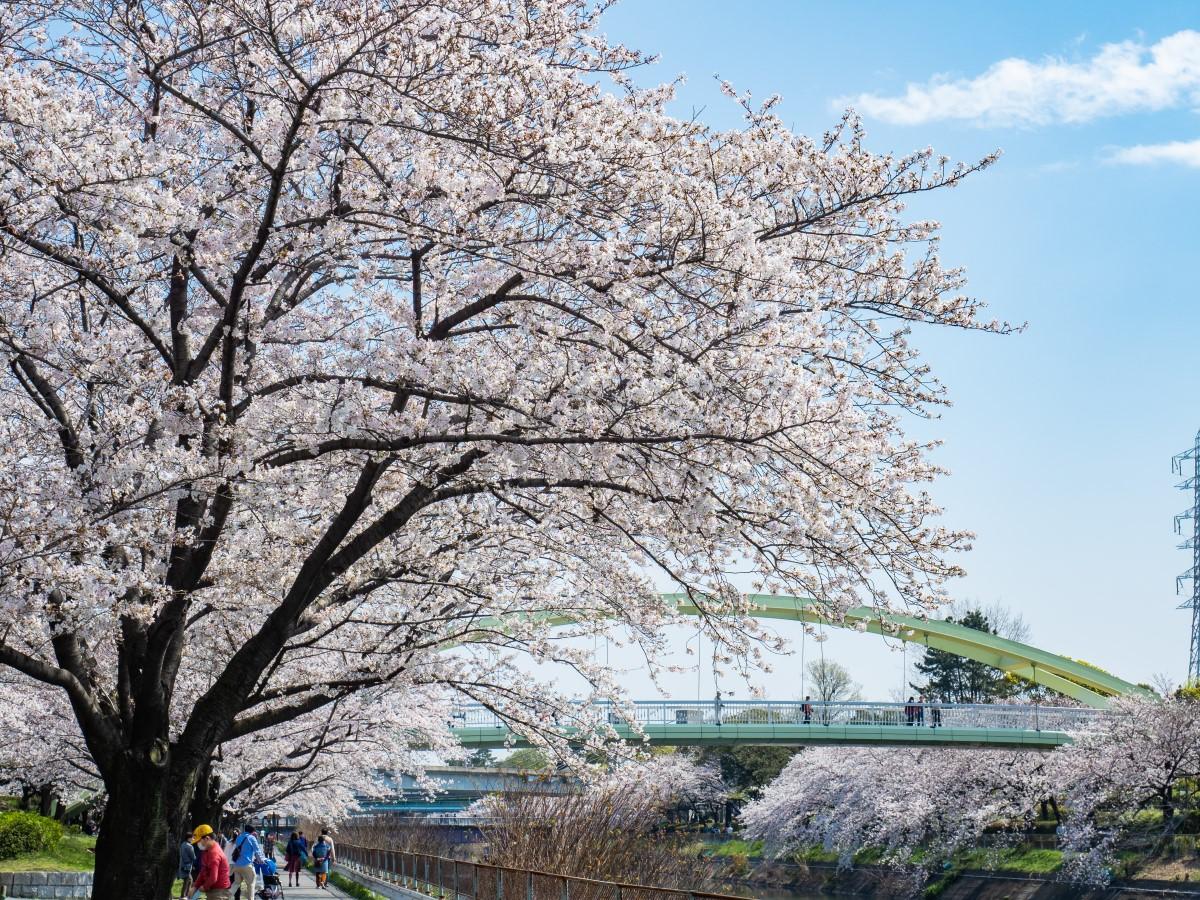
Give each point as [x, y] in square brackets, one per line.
[1130, 781]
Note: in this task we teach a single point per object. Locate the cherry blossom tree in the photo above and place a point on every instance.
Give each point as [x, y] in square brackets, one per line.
[42, 750]
[338, 335]
[899, 801]
[320, 765]
[1146, 756]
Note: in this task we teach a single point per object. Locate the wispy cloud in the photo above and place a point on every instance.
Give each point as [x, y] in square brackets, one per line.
[1121, 78]
[1185, 153]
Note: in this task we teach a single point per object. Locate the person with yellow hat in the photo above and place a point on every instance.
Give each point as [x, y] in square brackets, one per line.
[213, 877]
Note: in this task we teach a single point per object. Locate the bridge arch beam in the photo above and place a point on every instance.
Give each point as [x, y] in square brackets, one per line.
[1061, 674]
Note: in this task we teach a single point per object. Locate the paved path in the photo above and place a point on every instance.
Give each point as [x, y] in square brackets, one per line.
[308, 889]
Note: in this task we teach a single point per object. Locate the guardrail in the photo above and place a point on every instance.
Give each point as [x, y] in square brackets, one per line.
[930, 714]
[453, 879]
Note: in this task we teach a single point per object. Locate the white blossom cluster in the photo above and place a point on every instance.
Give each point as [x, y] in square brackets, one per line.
[917, 806]
[1129, 776]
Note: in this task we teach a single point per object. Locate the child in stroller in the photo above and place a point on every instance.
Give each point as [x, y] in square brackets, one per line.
[271, 888]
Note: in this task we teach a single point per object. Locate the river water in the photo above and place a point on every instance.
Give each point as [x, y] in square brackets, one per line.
[775, 893]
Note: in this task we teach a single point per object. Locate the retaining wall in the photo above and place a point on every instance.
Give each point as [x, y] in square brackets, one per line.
[46, 885]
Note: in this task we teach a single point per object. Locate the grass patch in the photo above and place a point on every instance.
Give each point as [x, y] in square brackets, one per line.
[353, 888]
[1019, 861]
[816, 855]
[737, 847]
[72, 854]
[868, 856]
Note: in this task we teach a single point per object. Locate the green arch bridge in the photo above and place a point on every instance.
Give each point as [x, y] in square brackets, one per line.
[766, 722]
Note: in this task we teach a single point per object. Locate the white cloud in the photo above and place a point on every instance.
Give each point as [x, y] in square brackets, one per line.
[1120, 78]
[1186, 153]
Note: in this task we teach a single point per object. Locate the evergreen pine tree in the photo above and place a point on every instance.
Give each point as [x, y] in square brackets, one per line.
[954, 679]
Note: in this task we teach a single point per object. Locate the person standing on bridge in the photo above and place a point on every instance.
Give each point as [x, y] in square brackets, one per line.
[921, 711]
[935, 710]
[807, 710]
[717, 707]
[910, 712]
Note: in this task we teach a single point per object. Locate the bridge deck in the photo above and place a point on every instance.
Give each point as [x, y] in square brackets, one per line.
[728, 735]
[709, 723]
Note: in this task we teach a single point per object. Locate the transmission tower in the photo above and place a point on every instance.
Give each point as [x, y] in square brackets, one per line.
[1188, 463]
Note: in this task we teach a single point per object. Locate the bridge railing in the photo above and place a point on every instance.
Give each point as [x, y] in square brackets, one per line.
[454, 879]
[1028, 717]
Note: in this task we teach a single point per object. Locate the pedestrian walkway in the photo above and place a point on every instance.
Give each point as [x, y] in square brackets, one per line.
[308, 890]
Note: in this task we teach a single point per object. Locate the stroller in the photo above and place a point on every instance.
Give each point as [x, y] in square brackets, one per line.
[271, 887]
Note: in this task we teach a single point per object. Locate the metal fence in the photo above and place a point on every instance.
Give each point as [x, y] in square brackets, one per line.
[454, 879]
[1029, 717]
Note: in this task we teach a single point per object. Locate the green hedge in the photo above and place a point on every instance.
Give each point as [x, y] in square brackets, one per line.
[25, 832]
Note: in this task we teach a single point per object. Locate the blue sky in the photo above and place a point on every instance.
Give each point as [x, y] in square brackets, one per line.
[1060, 438]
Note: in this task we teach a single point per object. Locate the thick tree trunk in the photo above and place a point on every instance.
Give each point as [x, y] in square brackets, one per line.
[205, 808]
[46, 806]
[136, 852]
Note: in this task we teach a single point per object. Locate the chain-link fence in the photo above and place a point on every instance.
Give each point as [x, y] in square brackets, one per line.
[454, 879]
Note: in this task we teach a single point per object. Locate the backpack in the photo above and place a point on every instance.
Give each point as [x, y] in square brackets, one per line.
[323, 848]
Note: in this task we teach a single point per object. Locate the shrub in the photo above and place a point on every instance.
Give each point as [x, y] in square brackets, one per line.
[25, 832]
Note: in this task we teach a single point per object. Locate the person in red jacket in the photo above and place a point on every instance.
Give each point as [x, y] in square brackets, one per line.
[213, 878]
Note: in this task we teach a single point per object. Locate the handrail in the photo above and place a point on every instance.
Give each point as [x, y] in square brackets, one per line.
[381, 862]
[686, 712]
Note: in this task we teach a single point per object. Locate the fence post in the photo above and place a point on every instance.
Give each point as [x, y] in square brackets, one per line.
[528, 886]
[455, 879]
[566, 888]
[499, 884]
[439, 871]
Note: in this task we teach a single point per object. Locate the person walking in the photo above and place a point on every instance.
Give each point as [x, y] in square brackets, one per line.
[244, 853]
[268, 846]
[322, 854]
[292, 859]
[332, 846]
[187, 860]
[213, 878]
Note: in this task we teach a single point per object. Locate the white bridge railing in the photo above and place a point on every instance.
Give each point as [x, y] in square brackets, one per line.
[1025, 717]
